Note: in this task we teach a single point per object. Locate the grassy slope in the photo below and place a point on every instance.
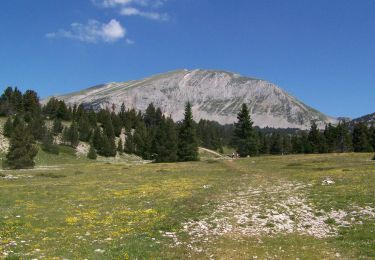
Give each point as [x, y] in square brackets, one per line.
[78, 207]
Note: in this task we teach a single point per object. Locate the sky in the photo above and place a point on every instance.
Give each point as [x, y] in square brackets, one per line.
[322, 52]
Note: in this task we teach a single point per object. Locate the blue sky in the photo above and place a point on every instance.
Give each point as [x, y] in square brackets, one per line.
[322, 52]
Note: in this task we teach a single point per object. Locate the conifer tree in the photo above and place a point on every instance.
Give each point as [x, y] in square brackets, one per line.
[330, 137]
[84, 128]
[165, 142]
[313, 137]
[22, 150]
[372, 136]
[48, 144]
[92, 152]
[116, 123]
[57, 126]
[37, 126]
[276, 144]
[344, 138]
[120, 147]
[73, 136]
[245, 137]
[92, 118]
[108, 146]
[97, 138]
[65, 136]
[122, 114]
[287, 145]
[129, 142]
[140, 139]
[187, 138]
[360, 138]
[8, 127]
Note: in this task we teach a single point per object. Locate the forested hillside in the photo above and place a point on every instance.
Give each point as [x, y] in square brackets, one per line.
[155, 136]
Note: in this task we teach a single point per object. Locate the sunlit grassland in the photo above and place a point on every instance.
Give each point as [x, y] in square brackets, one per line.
[77, 209]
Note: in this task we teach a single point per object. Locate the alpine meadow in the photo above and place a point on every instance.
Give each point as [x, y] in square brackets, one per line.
[161, 162]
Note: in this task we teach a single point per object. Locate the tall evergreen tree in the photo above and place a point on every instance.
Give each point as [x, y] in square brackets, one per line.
[48, 144]
[245, 137]
[92, 152]
[73, 136]
[276, 143]
[360, 138]
[165, 142]
[22, 150]
[140, 139]
[313, 137]
[187, 138]
[8, 127]
[372, 136]
[344, 138]
[129, 142]
[57, 126]
[84, 128]
[96, 138]
[120, 147]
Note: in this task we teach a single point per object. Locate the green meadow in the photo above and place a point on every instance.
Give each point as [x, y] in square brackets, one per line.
[272, 207]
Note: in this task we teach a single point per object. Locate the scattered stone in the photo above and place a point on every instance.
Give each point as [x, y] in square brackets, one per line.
[328, 181]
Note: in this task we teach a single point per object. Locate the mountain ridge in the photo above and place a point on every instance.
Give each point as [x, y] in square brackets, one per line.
[215, 95]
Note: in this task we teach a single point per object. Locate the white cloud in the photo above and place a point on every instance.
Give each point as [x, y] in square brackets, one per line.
[92, 32]
[136, 8]
[145, 3]
[131, 11]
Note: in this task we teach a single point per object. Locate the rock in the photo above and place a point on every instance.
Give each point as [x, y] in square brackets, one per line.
[328, 181]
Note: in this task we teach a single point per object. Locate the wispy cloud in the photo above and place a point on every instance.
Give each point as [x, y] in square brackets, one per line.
[141, 8]
[92, 32]
[131, 11]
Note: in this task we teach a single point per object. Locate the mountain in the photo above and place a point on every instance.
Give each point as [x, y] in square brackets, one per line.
[214, 95]
[367, 119]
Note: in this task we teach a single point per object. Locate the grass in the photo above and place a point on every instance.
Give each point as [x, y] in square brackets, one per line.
[74, 208]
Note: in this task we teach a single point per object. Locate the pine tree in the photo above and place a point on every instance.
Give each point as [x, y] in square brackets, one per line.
[48, 144]
[322, 143]
[276, 143]
[92, 152]
[245, 137]
[372, 136]
[287, 145]
[37, 126]
[360, 138]
[129, 143]
[116, 123]
[165, 142]
[313, 137]
[57, 126]
[187, 139]
[97, 138]
[31, 102]
[92, 118]
[120, 147]
[330, 137]
[8, 127]
[108, 147]
[84, 128]
[22, 149]
[344, 138]
[108, 127]
[140, 139]
[65, 136]
[73, 136]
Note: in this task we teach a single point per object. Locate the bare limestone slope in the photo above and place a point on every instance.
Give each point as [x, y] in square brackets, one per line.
[214, 95]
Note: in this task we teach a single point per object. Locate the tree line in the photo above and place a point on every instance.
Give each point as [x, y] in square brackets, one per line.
[154, 136]
[343, 137]
[150, 135]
